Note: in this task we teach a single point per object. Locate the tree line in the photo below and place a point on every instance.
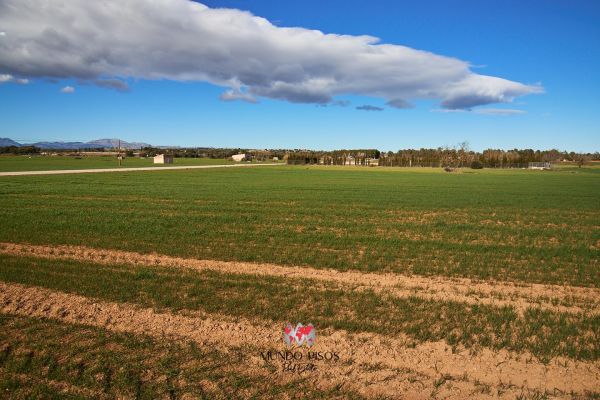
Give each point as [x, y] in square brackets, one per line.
[455, 157]
[19, 150]
[218, 153]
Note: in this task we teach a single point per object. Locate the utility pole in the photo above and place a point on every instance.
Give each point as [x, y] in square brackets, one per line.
[119, 156]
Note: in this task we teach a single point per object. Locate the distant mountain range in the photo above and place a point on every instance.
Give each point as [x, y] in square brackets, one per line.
[5, 142]
[92, 144]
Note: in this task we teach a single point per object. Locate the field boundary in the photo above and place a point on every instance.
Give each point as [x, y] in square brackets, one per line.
[132, 169]
[520, 296]
[387, 365]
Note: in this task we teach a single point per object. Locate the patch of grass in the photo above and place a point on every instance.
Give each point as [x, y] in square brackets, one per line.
[532, 395]
[544, 333]
[48, 163]
[79, 362]
[508, 225]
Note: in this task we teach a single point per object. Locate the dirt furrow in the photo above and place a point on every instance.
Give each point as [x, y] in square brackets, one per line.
[369, 363]
[519, 295]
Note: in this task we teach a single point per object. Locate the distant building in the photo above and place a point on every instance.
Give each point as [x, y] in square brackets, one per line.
[163, 159]
[372, 162]
[540, 165]
[275, 158]
[238, 157]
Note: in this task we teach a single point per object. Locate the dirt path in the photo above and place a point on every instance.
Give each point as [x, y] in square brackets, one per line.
[95, 170]
[521, 296]
[369, 363]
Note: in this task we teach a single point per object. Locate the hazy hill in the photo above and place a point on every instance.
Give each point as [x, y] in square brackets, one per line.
[66, 145]
[92, 144]
[114, 143]
[5, 142]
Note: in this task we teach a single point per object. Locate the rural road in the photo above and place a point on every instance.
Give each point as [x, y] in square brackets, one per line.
[91, 171]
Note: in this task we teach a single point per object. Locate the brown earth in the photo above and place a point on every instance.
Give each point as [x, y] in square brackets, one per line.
[520, 296]
[369, 363]
[62, 387]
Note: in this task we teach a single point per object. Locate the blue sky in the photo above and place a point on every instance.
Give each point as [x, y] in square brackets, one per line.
[549, 43]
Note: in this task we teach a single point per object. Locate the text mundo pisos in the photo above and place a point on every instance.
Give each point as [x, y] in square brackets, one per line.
[300, 360]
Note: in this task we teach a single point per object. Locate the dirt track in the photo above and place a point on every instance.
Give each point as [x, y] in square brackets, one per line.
[369, 363]
[96, 170]
[518, 295]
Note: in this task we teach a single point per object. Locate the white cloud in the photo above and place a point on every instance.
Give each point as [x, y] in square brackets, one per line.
[5, 78]
[400, 103]
[499, 111]
[105, 42]
[336, 103]
[116, 84]
[446, 110]
[232, 95]
[68, 89]
[368, 107]
[483, 111]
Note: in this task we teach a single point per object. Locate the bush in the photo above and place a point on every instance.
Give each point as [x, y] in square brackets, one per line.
[19, 150]
[476, 165]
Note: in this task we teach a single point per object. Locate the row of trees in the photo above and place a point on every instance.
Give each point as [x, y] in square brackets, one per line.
[19, 150]
[209, 152]
[455, 157]
[335, 157]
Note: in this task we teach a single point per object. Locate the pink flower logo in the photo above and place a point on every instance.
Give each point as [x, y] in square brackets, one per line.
[299, 335]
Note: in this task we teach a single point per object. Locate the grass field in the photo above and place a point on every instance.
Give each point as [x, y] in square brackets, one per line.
[48, 163]
[91, 363]
[519, 225]
[490, 268]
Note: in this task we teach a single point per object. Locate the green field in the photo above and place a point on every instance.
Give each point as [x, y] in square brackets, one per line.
[531, 226]
[47, 163]
[53, 358]
[514, 226]
[265, 299]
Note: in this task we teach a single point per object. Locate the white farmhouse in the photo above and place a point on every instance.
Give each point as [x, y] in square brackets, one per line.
[540, 165]
[163, 159]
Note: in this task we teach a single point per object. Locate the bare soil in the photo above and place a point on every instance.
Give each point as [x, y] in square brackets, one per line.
[518, 295]
[369, 363]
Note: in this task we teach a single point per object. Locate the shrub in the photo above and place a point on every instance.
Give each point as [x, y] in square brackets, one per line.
[476, 165]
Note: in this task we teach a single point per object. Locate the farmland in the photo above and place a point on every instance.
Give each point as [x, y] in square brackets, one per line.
[48, 163]
[424, 282]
